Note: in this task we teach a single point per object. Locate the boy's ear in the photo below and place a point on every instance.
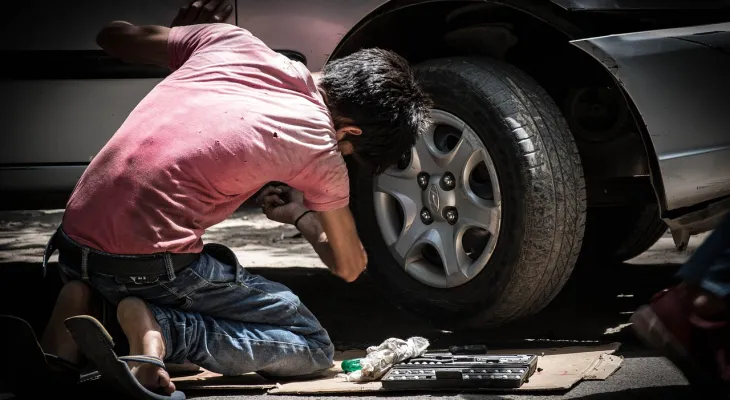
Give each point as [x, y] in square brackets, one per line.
[348, 130]
[354, 130]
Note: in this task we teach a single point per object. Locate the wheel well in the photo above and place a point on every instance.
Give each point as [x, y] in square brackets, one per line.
[615, 159]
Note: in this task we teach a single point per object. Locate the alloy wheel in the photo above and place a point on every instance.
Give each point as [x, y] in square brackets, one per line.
[439, 211]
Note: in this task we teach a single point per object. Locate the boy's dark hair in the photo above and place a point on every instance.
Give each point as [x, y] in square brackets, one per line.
[376, 90]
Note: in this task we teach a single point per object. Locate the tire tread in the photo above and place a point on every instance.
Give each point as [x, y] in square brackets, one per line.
[555, 150]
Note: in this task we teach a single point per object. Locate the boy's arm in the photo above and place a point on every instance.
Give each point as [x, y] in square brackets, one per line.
[147, 44]
[332, 234]
[334, 237]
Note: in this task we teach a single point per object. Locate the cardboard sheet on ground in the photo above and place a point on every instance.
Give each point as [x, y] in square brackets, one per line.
[560, 368]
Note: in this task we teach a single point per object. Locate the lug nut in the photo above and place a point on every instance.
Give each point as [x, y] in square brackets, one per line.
[451, 215]
[448, 181]
[405, 160]
[426, 217]
[423, 180]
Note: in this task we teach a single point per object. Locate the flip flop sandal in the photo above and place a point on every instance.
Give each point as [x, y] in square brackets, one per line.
[96, 343]
[28, 371]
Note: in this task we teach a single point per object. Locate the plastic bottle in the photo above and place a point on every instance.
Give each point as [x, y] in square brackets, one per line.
[351, 365]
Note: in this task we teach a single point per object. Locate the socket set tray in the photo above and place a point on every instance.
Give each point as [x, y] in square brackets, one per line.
[448, 371]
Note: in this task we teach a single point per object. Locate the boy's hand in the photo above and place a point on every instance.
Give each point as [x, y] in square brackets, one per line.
[202, 12]
[281, 203]
[331, 233]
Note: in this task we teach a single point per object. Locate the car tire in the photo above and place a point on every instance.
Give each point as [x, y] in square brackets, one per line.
[618, 234]
[543, 199]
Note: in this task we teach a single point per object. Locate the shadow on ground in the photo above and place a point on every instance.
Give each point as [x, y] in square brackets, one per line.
[650, 393]
[594, 306]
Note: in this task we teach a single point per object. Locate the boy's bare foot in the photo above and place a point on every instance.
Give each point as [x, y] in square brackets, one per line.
[145, 338]
[75, 298]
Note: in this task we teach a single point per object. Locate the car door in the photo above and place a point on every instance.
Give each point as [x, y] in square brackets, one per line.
[63, 98]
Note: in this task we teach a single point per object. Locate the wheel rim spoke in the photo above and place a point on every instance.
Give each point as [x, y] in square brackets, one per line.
[458, 156]
[398, 186]
[424, 150]
[450, 252]
[411, 238]
[447, 241]
[405, 192]
[478, 213]
[414, 166]
[475, 211]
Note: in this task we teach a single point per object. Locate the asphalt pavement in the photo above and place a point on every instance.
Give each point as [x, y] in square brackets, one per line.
[593, 308]
[641, 377]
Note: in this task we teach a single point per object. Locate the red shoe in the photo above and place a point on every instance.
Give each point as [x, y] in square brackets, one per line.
[700, 348]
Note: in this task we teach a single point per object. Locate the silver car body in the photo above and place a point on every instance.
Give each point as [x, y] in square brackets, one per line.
[677, 79]
[54, 125]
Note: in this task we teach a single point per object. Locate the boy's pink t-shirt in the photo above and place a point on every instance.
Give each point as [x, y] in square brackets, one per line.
[232, 116]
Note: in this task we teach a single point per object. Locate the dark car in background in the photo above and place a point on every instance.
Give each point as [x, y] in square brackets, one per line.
[562, 128]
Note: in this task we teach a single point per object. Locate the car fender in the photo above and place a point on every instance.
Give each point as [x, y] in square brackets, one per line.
[626, 5]
[677, 82]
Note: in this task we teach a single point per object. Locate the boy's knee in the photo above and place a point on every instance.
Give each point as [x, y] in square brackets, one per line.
[301, 366]
[129, 308]
[323, 351]
[322, 337]
[322, 359]
[76, 293]
[329, 352]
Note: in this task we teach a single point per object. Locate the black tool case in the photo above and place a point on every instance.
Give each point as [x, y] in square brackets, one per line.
[450, 371]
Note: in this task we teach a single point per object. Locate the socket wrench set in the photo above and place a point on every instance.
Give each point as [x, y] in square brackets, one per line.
[454, 371]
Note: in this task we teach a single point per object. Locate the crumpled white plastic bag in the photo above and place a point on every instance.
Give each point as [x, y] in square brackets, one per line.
[380, 358]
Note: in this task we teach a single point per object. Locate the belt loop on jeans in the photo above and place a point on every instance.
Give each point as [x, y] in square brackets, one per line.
[85, 264]
[51, 247]
[169, 266]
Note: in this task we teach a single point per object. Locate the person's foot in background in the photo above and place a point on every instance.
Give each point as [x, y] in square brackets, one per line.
[691, 327]
[690, 323]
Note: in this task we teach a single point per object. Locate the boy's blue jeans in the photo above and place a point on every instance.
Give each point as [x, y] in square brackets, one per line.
[709, 266]
[225, 319]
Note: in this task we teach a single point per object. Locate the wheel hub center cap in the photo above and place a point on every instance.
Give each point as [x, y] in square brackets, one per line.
[435, 198]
